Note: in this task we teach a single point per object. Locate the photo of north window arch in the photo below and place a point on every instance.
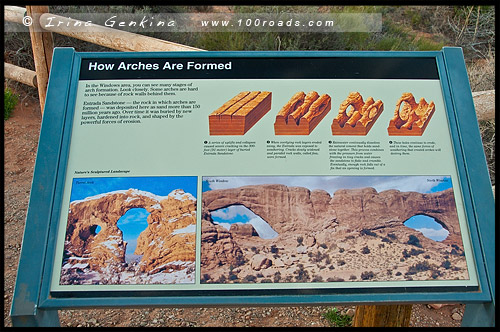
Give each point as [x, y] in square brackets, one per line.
[306, 229]
[130, 231]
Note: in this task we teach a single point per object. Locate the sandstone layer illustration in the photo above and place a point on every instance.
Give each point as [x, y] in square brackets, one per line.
[410, 118]
[354, 235]
[302, 113]
[167, 245]
[240, 113]
[356, 117]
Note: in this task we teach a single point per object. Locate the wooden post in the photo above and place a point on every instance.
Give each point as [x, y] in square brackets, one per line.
[43, 47]
[382, 316]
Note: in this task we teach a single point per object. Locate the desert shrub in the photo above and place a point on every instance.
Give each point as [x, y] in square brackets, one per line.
[386, 240]
[392, 236]
[367, 275]
[368, 232]
[317, 279]
[323, 245]
[274, 249]
[301, 274]
[277, 277]
[446, 264]
[419, 267]
[340, 262]
[300, 239]
[412, 252]
[414, 241]
[249, 278]
[266, 281]
[427, 256]
[353, 277]
[9, 102]
[365, 250]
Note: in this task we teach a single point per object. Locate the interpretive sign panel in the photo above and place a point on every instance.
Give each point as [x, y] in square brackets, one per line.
[210, 178]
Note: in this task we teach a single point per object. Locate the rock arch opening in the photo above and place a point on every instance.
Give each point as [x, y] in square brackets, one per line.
[429, 226]
[240, 214]
[132, 223]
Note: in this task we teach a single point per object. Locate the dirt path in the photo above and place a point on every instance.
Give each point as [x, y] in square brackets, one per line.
[20, 143]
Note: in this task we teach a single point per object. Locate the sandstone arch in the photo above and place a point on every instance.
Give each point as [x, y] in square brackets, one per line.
[301, 211]
[161, 243]
[280, 206]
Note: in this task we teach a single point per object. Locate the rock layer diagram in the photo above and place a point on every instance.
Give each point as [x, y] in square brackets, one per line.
[302, 113]
[166, 245]
[410, 118]
[240, 113]
[354, 235]
[356, 117]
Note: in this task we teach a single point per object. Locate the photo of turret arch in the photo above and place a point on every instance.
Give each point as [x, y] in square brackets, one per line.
[130, 230]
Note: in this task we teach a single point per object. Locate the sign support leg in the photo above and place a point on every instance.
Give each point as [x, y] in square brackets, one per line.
[382, 316]
[48, 318]
[479, 315]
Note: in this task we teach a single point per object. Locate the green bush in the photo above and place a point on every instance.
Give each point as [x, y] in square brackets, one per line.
[336, 319]
[9, 102]
[413, 240]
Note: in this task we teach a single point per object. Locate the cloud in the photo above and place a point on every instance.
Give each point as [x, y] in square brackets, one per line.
[232, 212]
[434, 234]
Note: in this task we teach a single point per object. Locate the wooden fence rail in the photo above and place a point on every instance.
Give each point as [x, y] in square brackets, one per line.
[42, 43]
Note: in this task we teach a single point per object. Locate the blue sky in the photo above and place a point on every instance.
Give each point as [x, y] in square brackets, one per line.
[428, 226]
[132, 223]
[158, 185]
[422, 184]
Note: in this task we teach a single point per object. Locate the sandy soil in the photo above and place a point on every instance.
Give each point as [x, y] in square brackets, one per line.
[20, 146]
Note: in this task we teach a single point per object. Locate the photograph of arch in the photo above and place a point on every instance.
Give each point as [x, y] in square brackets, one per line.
[130, 230]
[292, 229]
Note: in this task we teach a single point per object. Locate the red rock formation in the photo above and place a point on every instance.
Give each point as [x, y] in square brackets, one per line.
[298, 210]
[218, 246]
[410, 118]
[239, 114]
[353, 232]
[355, 116]
[302, 113]
[169, 236]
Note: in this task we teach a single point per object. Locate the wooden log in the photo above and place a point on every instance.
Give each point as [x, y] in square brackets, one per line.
[108, 37]
[20, 74]
[484, 102]
[43, 47]
[14, 14]
[382, 316]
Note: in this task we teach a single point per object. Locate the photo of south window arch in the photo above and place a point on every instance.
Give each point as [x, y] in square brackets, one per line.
[295, 229]
[304, 111]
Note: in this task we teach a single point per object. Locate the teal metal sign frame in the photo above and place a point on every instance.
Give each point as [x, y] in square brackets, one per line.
[35, 305]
